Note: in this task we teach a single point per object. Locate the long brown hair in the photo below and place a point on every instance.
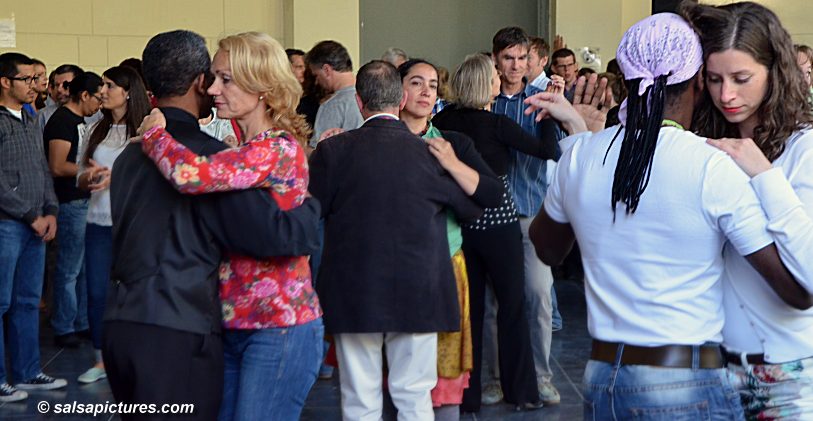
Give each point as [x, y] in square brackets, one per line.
[756, 30]
[138, 106]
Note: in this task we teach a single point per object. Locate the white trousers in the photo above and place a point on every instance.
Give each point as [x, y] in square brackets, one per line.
[412, 360]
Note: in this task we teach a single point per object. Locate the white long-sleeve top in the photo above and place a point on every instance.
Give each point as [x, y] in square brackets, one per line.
[757, 320]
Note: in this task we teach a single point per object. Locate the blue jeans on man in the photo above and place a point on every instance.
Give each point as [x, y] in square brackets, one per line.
[22, 265]
[98, 261]
[70, 302]
[622, 392]
[269, 372]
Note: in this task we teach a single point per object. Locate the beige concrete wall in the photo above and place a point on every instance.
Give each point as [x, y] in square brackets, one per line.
[310, 21]
[98, 34]
[796, 16]
[591, 23]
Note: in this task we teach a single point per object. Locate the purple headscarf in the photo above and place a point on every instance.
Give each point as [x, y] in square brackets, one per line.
[662, 44]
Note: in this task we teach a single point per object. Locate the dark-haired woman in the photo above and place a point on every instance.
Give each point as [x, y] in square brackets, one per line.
[61, 134]
[456, 154]
[493, 244]
[124, 104]
[756, 92]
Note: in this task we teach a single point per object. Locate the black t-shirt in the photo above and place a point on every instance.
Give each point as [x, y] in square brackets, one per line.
[64, 125]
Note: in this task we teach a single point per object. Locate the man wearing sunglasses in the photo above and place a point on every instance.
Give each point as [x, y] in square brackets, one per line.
[58, 93]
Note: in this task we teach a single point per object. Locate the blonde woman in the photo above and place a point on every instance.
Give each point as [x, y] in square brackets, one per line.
[273, 322]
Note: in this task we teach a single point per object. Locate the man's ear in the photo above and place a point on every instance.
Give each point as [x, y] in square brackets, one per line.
[543, 62]
[201, 84]
[5, 83]
[701, 81]
[404, 98]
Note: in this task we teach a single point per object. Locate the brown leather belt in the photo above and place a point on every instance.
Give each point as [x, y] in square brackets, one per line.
[751, 359]
[673, 356]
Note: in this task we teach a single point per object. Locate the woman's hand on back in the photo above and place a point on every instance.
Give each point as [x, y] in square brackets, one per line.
[745, 153]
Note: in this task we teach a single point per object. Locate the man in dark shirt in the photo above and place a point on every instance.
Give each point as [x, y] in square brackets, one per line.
[28, 209]
[162, 320]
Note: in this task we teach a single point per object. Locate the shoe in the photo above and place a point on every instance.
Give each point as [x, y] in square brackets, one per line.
[93, 375]
[42, 382]
[492, 394]
[325, 372]
[9, 393]
[66, 341]
[549, 394]
[529, 406]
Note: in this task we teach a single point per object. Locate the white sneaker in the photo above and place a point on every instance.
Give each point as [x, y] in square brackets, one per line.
[42, 382]
[549, 394]
[492, 394]
[93, 375]
[9, 393]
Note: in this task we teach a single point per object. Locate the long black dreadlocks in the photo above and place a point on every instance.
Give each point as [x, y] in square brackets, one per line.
[644, 119]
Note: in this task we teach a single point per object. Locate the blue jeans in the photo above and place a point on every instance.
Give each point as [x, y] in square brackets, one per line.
[613, 392]
[557, 317]
[98, 261]
[69, 314]
[269, 372]
[22, 265]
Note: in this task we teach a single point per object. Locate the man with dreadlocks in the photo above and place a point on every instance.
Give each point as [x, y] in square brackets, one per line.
[653, 257]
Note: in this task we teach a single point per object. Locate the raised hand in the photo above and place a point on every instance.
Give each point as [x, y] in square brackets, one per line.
[593, 99]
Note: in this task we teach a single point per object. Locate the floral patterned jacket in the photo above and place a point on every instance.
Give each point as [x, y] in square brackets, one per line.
[255, 294]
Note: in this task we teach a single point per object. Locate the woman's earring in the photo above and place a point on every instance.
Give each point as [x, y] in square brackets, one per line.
[262, 97]
[128, 97]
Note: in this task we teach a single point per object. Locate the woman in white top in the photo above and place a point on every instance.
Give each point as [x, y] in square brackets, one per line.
[124, 104]
[757, 95]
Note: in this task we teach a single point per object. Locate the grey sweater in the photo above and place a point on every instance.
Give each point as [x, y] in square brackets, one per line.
[26, 186]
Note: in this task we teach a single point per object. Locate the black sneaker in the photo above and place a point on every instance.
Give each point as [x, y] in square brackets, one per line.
[42, 382]
[9, 393]
[66, 341]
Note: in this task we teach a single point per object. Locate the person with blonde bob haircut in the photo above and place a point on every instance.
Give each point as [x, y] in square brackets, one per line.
[493, 244]
[272, 319]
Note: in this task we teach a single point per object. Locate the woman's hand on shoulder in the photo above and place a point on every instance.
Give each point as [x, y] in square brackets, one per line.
[745, 153]
[154, 119]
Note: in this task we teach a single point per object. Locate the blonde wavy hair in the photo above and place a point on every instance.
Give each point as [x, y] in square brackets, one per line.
[471, 82]
[259, 65]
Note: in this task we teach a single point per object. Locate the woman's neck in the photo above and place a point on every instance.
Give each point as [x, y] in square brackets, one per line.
[251, 127]
[416, 124]
[746, 128]
[118, 115]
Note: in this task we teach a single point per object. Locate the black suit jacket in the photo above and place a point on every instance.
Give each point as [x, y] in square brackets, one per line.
[167, 246]
[385, 263]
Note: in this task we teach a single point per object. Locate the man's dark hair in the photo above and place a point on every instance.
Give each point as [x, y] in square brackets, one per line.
[172, 60]
[378, 84]
[507, 38]
[37, 62]
[136, 65]
[290, 52]
[332, 53]
[68, 68]
[542, 48]
[562, 53]
[84, 82]
[10, 61]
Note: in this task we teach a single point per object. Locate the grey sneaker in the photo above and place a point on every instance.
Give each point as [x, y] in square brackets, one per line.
[492, 394]
[9, 393]
[549, 394]
[42, 382]
[93, 374]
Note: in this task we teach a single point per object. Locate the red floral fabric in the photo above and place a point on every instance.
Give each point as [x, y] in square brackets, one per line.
[255, 294]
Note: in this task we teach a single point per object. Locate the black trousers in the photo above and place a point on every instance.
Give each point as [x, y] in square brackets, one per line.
[496, 255]
[148, 364]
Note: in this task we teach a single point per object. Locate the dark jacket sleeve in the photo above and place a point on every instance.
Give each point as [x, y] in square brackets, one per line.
[513, 135]
[490, 189]
[464, 208]
[50, 202]
[250, 222]
[320, 185]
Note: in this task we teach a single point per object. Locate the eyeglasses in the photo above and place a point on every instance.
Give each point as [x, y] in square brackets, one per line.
[98, 97]
[26, 79]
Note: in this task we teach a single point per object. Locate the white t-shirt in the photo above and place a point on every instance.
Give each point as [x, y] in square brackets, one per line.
[757, 320]
[104, 155]
[653, 277]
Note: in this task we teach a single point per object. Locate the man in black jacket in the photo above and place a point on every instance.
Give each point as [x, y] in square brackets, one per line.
[162, 321]
[386, 279]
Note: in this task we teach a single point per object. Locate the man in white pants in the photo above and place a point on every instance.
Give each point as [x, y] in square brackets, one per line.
[386, 280]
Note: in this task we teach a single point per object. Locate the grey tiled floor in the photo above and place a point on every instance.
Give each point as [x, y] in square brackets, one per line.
[569, 353]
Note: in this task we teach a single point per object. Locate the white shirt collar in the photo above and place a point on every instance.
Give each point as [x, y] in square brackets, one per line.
[380, 115]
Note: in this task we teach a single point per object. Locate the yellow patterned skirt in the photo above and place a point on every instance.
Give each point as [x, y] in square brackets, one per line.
[454, 348]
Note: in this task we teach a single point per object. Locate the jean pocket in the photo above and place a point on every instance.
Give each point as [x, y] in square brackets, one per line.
[685, 412]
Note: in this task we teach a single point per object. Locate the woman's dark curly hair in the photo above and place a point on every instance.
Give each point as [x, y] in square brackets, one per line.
[756, 30]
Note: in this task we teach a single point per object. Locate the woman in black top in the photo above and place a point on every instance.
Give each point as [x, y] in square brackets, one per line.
[61, 135]
[493, 244]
